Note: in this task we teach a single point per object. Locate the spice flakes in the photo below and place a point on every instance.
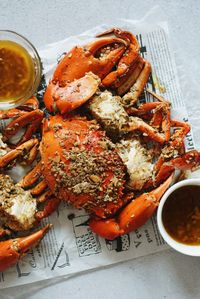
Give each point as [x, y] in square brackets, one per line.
[90, 174]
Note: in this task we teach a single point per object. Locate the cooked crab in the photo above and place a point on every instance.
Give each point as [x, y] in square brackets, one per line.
[132, 134]
[19, 211]
[110, 61]
[79, 162]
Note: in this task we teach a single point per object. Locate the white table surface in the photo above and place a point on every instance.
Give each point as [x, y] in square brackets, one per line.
[164, 275]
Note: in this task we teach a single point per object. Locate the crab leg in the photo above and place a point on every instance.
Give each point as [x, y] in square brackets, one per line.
[88, 60]
[17, 152]
[179, 135]
[30, 130]
[161, 115]
[12, 250]
[132, 96]
[32, 118]
[134, 215]
[125, 82]
[32, 155]
[31, 177]
[188, 161]
[130, 56]
[12, 113]
[162, 118]
[167, 162]
[158, 97]
[50, 207]
[138, 124]
[143, 109]
[39, 188]
[45, 196]
[115, 78]
[31, 104]
[175, 144]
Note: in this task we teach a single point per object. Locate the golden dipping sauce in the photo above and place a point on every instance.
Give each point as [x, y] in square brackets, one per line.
[16, 71]
[181, 215]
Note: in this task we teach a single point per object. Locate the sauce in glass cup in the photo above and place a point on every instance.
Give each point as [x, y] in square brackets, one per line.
[20, 69]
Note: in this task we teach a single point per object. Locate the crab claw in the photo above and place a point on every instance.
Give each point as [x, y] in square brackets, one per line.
[67, 98]
[19, 151]
[30, 120]
[12, 250]
[98, 57]
[128, 62]
[134, 215]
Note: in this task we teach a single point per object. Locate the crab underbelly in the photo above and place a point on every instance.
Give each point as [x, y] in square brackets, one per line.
[137, 161]
[82, 166]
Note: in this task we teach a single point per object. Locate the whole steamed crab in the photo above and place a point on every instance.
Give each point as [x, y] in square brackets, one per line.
[100, 150]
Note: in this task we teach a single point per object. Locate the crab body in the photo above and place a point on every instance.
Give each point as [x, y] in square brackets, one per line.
[81, 165]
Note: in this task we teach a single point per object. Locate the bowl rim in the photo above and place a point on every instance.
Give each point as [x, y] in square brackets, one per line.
[21, 36]
[192, 250]
[37, 66]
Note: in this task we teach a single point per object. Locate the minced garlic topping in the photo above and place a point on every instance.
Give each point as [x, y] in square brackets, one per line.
[108, 110]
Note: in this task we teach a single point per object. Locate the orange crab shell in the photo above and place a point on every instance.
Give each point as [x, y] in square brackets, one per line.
[81, 166]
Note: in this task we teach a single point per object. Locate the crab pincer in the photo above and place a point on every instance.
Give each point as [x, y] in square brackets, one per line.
[69, 97]
[80, 72]
[134, 215]
[12, 250]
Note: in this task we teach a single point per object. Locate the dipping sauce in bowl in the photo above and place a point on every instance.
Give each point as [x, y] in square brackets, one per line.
[16, 70]
[178, 216]
[20, 69]
[181, 215]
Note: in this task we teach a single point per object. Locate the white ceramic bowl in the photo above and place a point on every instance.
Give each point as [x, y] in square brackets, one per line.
[193, 250]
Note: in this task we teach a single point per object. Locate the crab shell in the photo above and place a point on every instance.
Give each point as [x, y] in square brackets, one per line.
[81, 165]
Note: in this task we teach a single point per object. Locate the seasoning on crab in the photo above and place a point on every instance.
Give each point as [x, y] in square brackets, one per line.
[81, 165]
[97, 58]
[111, 114]
[17, 206]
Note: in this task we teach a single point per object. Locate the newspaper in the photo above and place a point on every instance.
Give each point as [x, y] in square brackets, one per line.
[70, 246]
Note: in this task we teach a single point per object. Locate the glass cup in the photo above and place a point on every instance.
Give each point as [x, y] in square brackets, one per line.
[7, 35]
